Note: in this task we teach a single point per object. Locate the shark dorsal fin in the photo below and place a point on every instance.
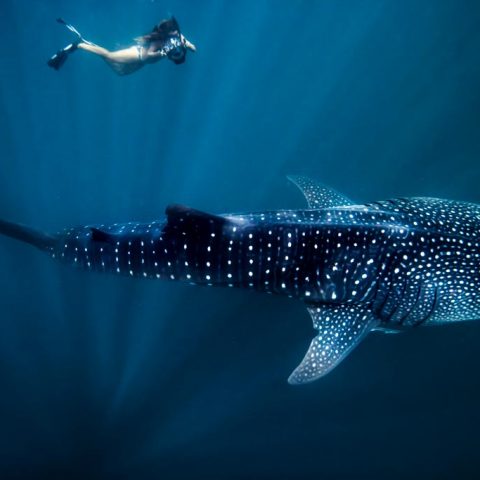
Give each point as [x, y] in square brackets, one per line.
[102, 236]
[318, 195]
[180, 214]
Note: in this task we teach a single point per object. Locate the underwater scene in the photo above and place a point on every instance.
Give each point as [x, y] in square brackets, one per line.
[318, 161]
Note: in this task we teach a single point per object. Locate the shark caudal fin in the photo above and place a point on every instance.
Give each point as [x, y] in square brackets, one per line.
[28, 235]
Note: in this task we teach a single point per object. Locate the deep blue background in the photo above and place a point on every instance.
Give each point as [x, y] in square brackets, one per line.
[121, 378]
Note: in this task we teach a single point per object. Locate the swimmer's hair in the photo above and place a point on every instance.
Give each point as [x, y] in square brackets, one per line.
[161, 32]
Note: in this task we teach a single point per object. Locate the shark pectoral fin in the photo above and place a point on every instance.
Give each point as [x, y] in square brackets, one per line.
[318, 195]
[341, 329]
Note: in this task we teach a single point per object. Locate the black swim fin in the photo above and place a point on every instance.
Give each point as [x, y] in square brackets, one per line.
[57, 60]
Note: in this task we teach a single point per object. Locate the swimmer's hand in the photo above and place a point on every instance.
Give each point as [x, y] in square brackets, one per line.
[156, 54]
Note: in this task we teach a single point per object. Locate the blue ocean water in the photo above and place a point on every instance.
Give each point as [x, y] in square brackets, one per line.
[105, 377]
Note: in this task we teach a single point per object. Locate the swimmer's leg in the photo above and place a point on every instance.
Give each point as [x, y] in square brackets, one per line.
[126, 55]
[122, 62]
[61, 21]
[97, 50]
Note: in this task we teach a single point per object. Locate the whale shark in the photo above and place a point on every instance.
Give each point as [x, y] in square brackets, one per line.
[383, 266]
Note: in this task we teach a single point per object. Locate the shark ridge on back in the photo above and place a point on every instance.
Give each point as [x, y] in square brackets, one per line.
[382, 266]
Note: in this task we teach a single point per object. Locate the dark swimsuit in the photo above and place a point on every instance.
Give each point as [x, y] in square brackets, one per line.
[175, 49]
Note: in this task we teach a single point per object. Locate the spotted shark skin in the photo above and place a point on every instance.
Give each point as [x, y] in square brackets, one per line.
[384, 266]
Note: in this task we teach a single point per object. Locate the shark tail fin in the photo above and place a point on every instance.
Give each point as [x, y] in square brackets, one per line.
[38, 239]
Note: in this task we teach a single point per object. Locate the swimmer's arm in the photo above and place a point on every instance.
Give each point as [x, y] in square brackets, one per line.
[188, 44]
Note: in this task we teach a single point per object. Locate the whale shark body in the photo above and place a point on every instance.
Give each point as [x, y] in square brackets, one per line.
[385, 266]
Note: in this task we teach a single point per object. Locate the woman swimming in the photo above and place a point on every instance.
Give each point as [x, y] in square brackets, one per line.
[165, 41]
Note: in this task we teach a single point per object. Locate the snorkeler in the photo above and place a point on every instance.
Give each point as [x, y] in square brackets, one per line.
[164, 41]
